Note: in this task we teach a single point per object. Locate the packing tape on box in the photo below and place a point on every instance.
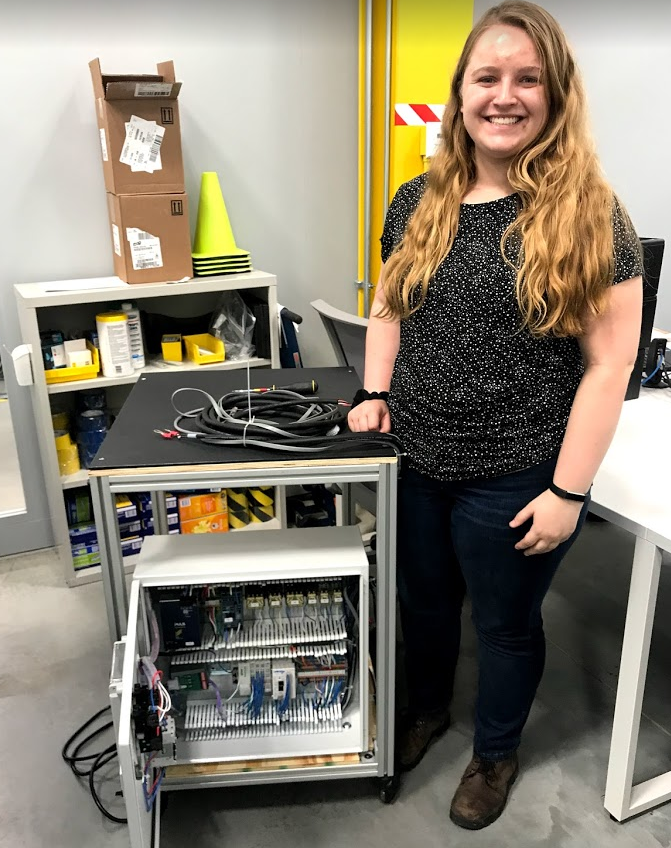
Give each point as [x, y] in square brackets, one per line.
[238, 508]
[261, 504]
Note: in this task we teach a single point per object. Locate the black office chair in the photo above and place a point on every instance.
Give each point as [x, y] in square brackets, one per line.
[347, 334]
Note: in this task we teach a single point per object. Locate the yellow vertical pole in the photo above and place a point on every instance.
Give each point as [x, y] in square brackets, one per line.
[363, 164]
[378, 125]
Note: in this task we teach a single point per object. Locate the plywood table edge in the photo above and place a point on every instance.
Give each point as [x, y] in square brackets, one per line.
[239, 466]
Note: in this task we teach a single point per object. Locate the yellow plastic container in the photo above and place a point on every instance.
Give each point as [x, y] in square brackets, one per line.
[196, 345]
[65, 375]
[171, 346]
[60, 420]
[68, 460]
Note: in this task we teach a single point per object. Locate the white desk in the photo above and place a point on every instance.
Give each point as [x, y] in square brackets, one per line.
[632, 490]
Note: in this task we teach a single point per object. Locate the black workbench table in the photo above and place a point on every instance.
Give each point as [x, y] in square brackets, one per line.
[132, 442]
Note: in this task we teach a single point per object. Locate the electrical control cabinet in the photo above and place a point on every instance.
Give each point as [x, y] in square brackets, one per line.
[246, 659]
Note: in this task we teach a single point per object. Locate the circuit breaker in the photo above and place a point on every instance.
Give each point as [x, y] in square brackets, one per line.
[243, 650]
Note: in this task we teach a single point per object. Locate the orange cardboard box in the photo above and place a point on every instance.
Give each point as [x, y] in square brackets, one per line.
[197, 506]
[215, 523]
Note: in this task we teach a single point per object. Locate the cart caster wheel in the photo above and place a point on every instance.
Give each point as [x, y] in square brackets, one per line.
[388, 788]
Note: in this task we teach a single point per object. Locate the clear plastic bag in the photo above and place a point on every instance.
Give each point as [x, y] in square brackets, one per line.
[233, 322]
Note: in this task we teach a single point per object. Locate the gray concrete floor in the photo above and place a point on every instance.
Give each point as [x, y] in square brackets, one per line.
[55, 666]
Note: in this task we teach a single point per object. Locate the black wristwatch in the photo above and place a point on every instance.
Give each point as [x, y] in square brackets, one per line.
[569, 496]
[363, 395]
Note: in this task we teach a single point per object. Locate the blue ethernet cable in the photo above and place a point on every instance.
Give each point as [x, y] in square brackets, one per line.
[660, 362]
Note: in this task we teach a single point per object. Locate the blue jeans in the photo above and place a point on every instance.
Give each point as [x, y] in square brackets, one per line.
[454, 538]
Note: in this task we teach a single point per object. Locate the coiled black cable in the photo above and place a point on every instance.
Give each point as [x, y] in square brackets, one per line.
[275, 420]
[99, 760]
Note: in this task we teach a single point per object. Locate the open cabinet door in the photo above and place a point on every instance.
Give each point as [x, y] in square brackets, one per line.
[143, 824]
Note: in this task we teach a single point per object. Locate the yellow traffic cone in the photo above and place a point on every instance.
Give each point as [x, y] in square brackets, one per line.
[214, 235]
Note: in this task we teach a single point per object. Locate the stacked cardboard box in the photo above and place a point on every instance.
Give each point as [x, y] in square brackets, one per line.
[134, 516]
[141, 147]
[84, 536]
[203, 513]
[146, 516]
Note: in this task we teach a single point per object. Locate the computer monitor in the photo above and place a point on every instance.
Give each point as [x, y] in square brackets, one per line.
[653, 253]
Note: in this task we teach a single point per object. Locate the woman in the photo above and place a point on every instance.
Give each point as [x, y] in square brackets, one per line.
[501, 341]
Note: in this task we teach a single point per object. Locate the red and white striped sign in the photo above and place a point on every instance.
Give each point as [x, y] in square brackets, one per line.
[417, 114]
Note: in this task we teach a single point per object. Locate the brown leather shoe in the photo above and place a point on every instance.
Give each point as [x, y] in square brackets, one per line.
[416, 733]
[483, 792]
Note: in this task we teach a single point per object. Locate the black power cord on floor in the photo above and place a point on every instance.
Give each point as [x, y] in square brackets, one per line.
[98, 760]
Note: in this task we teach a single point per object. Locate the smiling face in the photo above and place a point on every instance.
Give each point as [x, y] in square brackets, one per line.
[503, 101]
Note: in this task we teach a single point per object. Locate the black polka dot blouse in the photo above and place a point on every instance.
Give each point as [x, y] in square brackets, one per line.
[473, 396]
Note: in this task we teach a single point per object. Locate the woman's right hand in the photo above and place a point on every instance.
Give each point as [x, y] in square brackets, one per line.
[370, 416]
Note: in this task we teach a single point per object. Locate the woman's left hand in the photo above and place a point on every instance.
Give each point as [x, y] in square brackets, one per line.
[554, 520]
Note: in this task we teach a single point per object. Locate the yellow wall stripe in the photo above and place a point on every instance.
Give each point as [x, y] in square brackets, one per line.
[427, 38]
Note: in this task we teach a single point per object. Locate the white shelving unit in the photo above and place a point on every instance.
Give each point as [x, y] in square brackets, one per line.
[67, 305]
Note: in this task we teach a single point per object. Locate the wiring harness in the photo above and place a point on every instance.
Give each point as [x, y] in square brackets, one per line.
[276, 419]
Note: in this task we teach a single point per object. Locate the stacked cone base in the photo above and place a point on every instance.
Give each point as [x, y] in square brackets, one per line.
[213, 266]
[221, 271]
[233, 263]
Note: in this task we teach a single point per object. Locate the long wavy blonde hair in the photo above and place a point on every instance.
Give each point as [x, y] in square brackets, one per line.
[561, 243]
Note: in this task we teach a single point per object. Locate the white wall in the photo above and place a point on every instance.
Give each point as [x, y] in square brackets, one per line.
[269, 101]
[623, 49]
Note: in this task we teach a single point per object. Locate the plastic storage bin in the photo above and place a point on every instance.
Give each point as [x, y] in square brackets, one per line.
[204, 341]
[86, 372]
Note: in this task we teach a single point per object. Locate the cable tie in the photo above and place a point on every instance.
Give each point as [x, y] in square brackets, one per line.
[244, 432]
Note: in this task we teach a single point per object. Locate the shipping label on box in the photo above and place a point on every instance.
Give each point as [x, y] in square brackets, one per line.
[145, 249]
[153, 89]
[142, 148]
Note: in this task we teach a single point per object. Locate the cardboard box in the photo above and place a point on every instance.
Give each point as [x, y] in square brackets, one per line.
[139, 158]
[204, 513]
[83, 534]
[196, 506]
[84, 556]
[125, 508]
[215, 523]
[151, 239]
[128, 529]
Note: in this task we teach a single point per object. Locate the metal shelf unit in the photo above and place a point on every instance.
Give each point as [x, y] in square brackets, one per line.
[42, 305]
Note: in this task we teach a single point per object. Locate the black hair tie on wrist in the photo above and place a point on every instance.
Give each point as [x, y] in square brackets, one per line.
[363, 395]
